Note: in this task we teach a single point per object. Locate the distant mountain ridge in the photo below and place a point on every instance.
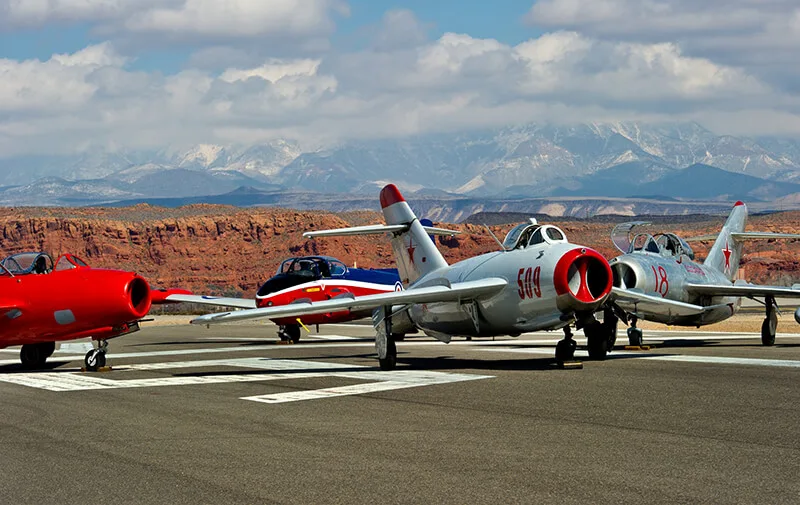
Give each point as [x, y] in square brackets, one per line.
[623, 159]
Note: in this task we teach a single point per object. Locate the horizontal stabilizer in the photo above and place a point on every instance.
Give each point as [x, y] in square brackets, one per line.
[746, 235]
[743, 290]
[217, 301]
[757, 235]
[375, 229]
[456, 292]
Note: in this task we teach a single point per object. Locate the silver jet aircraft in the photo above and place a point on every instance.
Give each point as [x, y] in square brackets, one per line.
[539, 281]
[657, 279]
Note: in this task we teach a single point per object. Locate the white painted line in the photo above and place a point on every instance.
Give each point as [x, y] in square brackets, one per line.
[684, 358]
[284, 369]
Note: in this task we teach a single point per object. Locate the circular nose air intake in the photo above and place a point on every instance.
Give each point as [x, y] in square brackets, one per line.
[138, 293]
[584, 274]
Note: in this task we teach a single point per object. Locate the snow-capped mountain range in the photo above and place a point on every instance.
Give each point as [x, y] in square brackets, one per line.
[535, 160]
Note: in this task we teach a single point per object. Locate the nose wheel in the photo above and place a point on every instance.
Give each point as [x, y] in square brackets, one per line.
[290, 332]
[96, 358]
[635, 336]
[565, 348]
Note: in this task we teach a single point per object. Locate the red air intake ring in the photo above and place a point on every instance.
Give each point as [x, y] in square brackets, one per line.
[589, 273]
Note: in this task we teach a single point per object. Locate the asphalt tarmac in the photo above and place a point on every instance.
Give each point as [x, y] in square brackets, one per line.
[225, 415]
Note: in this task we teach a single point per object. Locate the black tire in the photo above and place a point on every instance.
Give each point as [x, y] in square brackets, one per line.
[33, 356]
[390, 361]
[635, 337]
[94, 360]
[597, 346]
[768, 329]
[565, 350]
[292, 332]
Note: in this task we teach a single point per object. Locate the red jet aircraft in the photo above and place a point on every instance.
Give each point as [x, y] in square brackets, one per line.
[42, 303]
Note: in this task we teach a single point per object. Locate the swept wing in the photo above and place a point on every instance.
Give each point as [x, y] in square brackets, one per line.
[218, 301]
[635, 301]
[432, 294]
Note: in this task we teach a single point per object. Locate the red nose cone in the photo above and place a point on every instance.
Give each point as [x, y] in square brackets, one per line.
[738, 203]
[584, 274]
[390, 195]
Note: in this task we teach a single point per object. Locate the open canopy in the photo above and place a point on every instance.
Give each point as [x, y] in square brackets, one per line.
[38, 263]
[665, 244]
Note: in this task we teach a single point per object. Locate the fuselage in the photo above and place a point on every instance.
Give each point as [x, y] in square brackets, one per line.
[284, 289]
[549, 285]
[70, 304]
[667, 277]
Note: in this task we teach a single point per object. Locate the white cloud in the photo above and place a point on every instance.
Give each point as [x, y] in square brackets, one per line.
[238, 18]
[761, 36]
[91, 97]
[228, 18]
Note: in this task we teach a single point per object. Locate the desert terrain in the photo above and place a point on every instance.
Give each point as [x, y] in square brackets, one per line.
[228, 250]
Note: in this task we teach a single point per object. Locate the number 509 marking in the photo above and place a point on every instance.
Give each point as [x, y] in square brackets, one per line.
[528, 282]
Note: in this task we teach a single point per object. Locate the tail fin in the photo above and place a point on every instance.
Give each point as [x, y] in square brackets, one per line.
[415, 253]
[727, 250]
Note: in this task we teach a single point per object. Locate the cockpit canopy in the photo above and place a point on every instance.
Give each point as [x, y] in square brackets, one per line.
[39, 263]
[665, 244]
[532, 233]
[312, 266]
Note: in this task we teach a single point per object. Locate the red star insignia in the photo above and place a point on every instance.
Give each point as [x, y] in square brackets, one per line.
[727, 253]
[411, 249]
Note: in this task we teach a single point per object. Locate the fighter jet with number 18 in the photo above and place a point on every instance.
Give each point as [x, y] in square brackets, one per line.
[539, 281]
[657, 280]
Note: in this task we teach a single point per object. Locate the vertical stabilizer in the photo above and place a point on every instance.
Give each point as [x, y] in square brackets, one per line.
[414, 251]
[726, 253]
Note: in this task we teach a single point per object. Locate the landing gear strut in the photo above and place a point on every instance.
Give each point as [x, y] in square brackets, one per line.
[289, 332]
[96, 358]
[600, 337]
[634, 334]
[35, 355]
[770, 325]
[565, 348]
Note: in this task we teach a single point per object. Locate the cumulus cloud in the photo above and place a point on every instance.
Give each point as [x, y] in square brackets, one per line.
[759, 35]
[403, 84]
[230, 18]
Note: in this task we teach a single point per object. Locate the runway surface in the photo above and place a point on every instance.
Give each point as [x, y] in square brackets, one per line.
[224, 415]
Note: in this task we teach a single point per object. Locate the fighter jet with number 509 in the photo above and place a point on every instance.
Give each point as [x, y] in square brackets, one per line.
[657, 279]
[539, 281]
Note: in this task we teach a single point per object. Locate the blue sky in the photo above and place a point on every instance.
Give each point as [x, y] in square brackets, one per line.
[499, 20]
[86, 74]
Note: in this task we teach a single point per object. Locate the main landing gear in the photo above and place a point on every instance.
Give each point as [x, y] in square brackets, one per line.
[770, 325]
[385, 339]
[34, 356]
[635, 337]
[289, 332]
[601, 337]
[96, 358]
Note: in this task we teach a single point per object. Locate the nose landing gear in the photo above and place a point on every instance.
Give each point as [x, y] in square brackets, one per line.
[96, 358]
[565, 348]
